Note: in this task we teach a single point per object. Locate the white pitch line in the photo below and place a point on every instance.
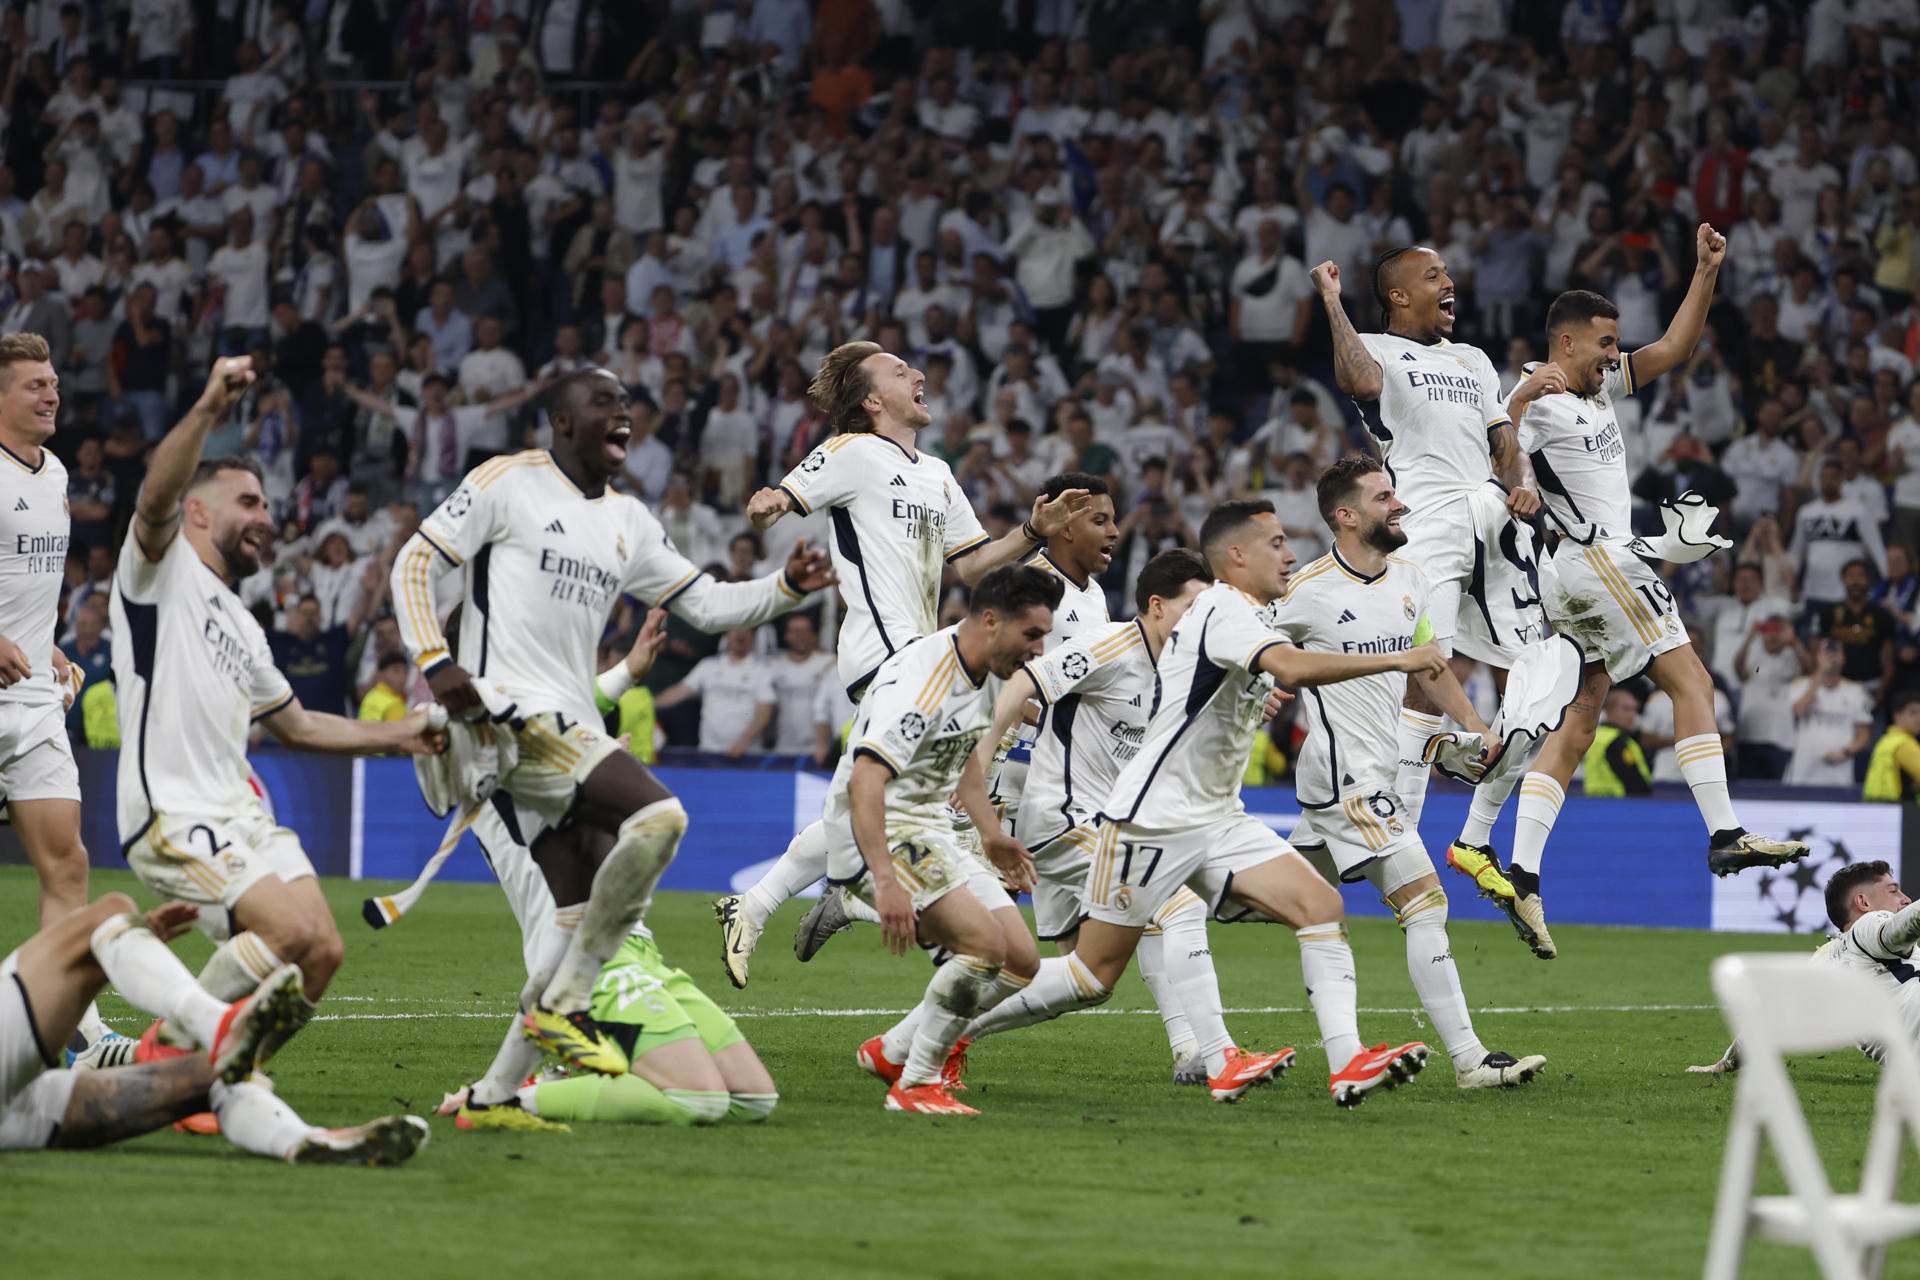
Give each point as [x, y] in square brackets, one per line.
[1095, 1013]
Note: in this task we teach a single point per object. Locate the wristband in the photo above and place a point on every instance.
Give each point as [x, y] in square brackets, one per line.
[1032, 534]
[614, 681]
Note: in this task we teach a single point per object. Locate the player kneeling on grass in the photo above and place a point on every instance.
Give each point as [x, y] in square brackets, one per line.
[1361, 596]
[890, 836]
[48, 983]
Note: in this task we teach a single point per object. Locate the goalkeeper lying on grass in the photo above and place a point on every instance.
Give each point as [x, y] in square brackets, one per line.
[690, 1064]
[1879, 926]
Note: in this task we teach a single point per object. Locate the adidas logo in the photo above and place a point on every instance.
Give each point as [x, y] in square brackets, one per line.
[952, 725]
[555, 527]
[1579, 421]
[1073, 617]
[1346, 779]
[1134, 701]
[897, 481]
[20, 505]
[1407, 355]
[1346, 615]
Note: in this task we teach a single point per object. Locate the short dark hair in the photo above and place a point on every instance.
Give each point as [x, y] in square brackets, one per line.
[1846, 882]
[1057, 485]
[1338, 482]
[1579, 306]
[1902, 700]
[211, 467]
[1166, 574]
[1857, 562]
[392, 657]
[1381, 265]
[1015, 588]
[1228, 519]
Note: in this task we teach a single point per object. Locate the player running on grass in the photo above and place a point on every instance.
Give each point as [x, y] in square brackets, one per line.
[39, 783]
[1434, 411]
[194, 671]
[1174, 817]
[57, 973]
[1362, 598]
[545, 550]
[1604, 595]
[898, 517]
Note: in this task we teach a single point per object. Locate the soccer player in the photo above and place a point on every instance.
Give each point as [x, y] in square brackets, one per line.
[39, 784]
[56, 974]
[1097, 691]
[1362, 598]
[1434, 411]
[1174, 817]
[1605, 596]
[690, 1064]
[898, 517]
[194, 671]
[890, 835]
[545, 550]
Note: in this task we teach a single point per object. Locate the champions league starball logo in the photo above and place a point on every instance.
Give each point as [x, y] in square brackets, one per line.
[1074, 666]
[1792, 899]
[1796, 893]
[913, 725]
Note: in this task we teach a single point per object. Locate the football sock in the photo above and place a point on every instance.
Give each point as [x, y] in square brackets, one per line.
[803, 863]
[622, 887]
[896, 1042]
[1326, 963]
[231, 973]
[92, 1027]
[1410, 781]
[1151, 953]
[1490, 795]
[152, 977]
[627, 1099]
[1704, 765]
[1062, 985]
[1437, 979]
[253, 1118]
[1533, 819]
[751, 1108]
[518, 1056]
[857, 907]
[1189, 963]
[960, 989]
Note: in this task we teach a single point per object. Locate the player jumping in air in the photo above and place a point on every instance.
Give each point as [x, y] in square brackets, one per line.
[39, 783]
[1174, 817]
[898, 517]
[1605, 596]
[194, 672]
[1434, 411]
[545, 550]
[55, 975]
[1361, 597]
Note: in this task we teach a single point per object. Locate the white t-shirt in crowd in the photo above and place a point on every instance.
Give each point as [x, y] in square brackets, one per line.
[731, 691]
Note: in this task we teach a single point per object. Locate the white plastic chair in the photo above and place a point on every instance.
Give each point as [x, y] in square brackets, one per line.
[1778, 1005]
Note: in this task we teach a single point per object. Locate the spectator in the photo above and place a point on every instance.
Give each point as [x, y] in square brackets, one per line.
[1271, 305]
[797, 673]
[1828, 533]
[1738, 616]
[1770, 661]
[237, 286]
[89, 650]
[733, 688]
[1833, 722]
[490, 370]
[1615, 764]
[91, 495]
[37, 312]
[1046, 249]
[449, 328]
[1893, 770]
[1864, 630]
[387, 699]
[313, 658]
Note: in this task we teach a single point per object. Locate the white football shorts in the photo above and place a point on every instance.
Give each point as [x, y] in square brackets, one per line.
[1614, 606]
[1136, 872]
[212, 861]
[1363, 837]
[36, 761]
[1483, 573]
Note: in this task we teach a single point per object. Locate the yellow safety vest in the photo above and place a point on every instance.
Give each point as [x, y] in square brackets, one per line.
[1893, 771]
[1601, 778]
[636, 721]
[100, 715]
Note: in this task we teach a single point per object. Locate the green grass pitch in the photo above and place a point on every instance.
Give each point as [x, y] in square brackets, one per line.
[1087, 1161]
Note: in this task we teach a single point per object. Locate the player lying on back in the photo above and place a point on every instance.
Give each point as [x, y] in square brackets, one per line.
[1097, 691]
[889, 833]
[1362, 598]
[56, 974]
[1174, 817]
[1879, 928]
[1434, 410]
[545, 550]
[1603, 593]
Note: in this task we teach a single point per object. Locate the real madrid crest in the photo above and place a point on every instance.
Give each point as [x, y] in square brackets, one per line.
[1406, 607]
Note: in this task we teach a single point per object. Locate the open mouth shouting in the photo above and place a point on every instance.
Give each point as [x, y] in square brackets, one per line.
[619, 431]
[1446, 306]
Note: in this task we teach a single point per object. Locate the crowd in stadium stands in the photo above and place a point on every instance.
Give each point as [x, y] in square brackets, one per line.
[1089, 221]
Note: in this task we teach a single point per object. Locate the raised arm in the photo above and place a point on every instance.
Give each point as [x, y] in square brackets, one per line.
[1676, 345]
[722, 606]
[1355, 370]
[156, 513]
[1047, 519]
[1302, 669]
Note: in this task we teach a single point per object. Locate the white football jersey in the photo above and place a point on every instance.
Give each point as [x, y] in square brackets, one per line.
[1437, 403]
[1864, 948]
[921, 717]
[897, 518]
[1098, 692]
[1580, 459]
[191, 670]
[33, 564]
[1331, 607]
[543, 566]
[1201, 732]
[1082, 608]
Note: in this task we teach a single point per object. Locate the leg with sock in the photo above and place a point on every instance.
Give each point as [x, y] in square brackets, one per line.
[1063, 984]
[1152, 955]
[152, 978]
[1188, 960]
[962, 988]
[1326, 965]
[1436, 979]
[1410, 780]
[802, 865]
[254, 1119]
[624, 1099]
[517, 1057]
[622, 888]
[235, 968]
[1490, 795]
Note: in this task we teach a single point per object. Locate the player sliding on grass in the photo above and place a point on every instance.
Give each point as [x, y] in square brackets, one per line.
[545, 550]
[889, 830]
[1362, 598]
[1097, 690]
[899, 517]
[193, 670]
[1174, 818]
[47, 984]
[1604, 594]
